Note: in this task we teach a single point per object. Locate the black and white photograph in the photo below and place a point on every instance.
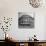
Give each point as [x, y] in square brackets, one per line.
[26, 20]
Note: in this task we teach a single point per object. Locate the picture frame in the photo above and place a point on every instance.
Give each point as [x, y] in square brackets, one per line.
[26, 20]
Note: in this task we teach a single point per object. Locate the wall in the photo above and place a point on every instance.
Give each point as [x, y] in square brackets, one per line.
[10, 8]
[45, 29]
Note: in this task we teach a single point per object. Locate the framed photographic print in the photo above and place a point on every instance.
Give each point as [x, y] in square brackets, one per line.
[26, 20]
